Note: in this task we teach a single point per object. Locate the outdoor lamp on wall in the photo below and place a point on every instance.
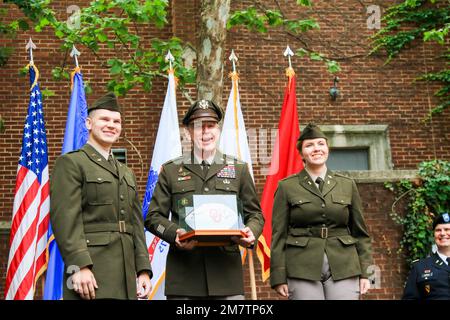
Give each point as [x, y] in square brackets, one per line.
[334, 91]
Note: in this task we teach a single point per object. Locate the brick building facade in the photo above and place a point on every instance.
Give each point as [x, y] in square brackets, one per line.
[371, 94]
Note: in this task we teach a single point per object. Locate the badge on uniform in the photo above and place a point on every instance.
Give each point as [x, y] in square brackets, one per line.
[183, 175]
[427, 273]
[184, 202]
[229, 171]
[446, 217]
[427, 289]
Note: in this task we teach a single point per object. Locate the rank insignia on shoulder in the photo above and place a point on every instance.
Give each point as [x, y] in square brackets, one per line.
[229, 171]
[183, 178]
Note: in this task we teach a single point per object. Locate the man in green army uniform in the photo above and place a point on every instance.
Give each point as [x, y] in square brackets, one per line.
[320, 248]
[96, 215]
[197, 272]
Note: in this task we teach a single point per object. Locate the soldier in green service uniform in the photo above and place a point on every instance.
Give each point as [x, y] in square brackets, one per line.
[96, 215]
[321, 249]
[429, 278]
[194, 272]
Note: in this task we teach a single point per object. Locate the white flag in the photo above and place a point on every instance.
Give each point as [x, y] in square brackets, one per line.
[233, 140]
[167, 147]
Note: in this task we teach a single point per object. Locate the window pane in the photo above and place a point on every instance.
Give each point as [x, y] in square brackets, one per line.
[348, 159]
[120, 155]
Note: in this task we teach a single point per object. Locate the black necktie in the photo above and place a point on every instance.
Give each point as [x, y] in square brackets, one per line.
[205, 167]
[448, 261]
[320, 182]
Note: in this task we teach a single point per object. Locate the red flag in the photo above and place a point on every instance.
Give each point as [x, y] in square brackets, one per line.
[28, 238]
[285, 161]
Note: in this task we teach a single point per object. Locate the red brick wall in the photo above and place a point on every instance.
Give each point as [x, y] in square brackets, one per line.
[371, 93]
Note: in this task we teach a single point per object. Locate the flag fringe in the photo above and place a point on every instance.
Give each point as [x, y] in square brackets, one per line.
[36, 77]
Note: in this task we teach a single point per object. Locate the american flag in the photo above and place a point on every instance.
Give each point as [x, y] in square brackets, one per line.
[28, 238]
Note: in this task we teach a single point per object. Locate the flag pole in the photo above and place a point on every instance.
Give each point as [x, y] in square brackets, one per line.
[288, 52]
[30, 46]
[289, 71]
[252, 274]
[233, 58]
[75, 53]
[169, 57]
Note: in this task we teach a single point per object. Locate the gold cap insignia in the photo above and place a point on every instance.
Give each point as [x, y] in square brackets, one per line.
[203, 104]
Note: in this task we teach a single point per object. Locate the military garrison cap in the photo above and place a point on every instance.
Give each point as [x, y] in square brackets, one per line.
[108, 102]
[311, 131]
[441, 219]
[205, 109]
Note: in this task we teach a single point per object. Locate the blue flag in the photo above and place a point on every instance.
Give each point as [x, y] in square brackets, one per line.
[75, 137]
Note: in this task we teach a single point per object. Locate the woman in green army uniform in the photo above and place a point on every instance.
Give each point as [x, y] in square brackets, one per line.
[321, 249]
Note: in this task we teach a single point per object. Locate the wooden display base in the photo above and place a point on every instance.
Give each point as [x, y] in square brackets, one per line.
[212, 238]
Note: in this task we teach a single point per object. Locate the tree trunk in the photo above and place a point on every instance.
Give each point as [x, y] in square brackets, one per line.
[210, 57]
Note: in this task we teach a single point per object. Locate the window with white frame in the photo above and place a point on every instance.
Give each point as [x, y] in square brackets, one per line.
[358, 147]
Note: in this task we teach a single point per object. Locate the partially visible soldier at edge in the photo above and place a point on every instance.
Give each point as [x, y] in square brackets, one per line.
[429, 278]
[96, 215]
[203, 272]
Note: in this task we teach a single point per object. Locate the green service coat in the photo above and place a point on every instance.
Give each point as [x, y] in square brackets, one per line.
[88, 199]
[300, 211]
[203, 271]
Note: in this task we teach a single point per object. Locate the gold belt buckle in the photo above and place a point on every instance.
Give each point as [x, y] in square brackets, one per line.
[324, 233]
[122, 227]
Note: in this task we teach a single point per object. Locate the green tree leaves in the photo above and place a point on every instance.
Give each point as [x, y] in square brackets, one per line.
[427, 198]
[412, 20]
[116, 25]
[260, 19]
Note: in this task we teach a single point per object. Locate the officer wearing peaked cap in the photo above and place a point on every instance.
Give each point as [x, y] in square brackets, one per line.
[429, 278]
[205, 110]
[320, 249]
[195, 272]
[96, 215]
